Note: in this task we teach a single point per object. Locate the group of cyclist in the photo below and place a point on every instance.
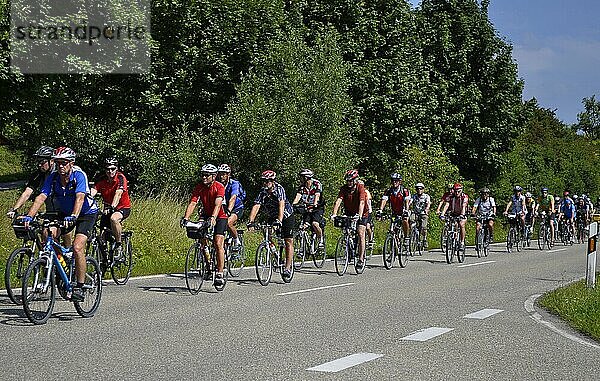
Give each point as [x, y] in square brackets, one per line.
[64, 189]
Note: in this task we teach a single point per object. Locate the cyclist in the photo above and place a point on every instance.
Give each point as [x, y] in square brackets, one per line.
[530, 215]
[445, 198]
[517, 206]
[567, 211]
[582, 212]
[279, 212]
[370, 226]
[546, 204]
[485, 206]
[421, 203]
[457, 207]
[115, 194]
[211, 193]
[43, 157]
[399, 198]
[234, 201]
[354, 197]
[69, 185]
[310, 193]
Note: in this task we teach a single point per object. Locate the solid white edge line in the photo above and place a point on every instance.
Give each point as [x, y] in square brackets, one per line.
[345, 362]
[315, 289]
[476, 264]
[530, 308]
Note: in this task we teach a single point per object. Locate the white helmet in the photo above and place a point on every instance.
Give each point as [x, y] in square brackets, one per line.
[209, 168]
[420, 185]
[224, 168]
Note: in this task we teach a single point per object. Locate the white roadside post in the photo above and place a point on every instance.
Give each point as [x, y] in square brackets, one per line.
[590, 274]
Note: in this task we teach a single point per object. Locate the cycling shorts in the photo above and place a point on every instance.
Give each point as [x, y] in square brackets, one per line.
[287, 227]
[315, 216]
[220, 226]
[83, 225]
[239, 212]
[105, 218]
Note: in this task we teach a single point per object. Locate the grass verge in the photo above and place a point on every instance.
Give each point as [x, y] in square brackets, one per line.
[11, 168]
[577, 305]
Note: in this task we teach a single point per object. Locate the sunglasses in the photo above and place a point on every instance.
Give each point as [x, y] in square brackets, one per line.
[62, 163]
[207, 174]
[111, 168]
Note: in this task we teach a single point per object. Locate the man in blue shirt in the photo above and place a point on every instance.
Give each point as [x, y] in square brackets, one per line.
[69, 185]
[234, 201]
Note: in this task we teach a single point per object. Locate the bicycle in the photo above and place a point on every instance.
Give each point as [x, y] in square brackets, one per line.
[102, 248]
[201, 259]
[526, 235]
[269, 257]
[346, 248]
[484, 235]
[20, 258]
[52, 271]
[444, 232]
[417, 244]
[393, 246]
[581, 229]
[566, 233]
[236, 259]
[545, 238]
[306, 244]
[453, 243]
[513, 238]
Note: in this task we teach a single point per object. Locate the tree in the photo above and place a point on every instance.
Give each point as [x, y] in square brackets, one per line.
[588, 121]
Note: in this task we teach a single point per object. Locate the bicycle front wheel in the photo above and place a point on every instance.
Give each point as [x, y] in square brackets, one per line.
[16, 265]
[401, 250]
[262, 264]
[38, 291]
[341, 256]
[320, 253]
[388, 251]
[479, 242]
[460, 251]
[300, 248]
[237, 258]
[92, 289]
[414, 241]
[449, 248]
[542, 236]
[510, 238]
[121, 266]
[194, 269]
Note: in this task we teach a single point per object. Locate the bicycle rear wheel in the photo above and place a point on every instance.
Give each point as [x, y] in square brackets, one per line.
[38, 291]
[194, 269]
[92, 289]
[402, 250]
[120, 269]
[262, 264]
[320, 253]
[300, 248]
[16, 265]
[341, 256]
[236, 259]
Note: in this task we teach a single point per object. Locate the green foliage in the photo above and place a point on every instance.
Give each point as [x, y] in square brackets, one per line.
[10, 165]
[588, 121]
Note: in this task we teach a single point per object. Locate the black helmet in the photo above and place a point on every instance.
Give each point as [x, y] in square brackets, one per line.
[110, 162]
[44, 152]
[484, 190]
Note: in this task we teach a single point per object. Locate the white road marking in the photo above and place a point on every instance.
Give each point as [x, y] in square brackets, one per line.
[485, 313]
[556, 250]
[476, 264]
[345, 362]
[315, 289]
[426, 334]
[529, 307]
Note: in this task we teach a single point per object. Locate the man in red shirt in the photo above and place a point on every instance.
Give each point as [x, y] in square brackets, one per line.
[354, 197]
[211, 194]
[399, 198]
[115, 195]
[457, 207]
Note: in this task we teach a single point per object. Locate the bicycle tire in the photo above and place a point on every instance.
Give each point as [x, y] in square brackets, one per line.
[194, 269]
[509, 240]
[92, 289]
[16, 265]
[263, 265]
[449, 248]
[459, 250]
[370, 244]
[517, 241]
[443, 238]
[300, 245]
[479, 242]
[38, 305]
[388, 251]
[542, 237]
[402, 252]
[486, 241]
[414, 241]
[237, 260]
[341, 256]
[320, 254]
[120, 270]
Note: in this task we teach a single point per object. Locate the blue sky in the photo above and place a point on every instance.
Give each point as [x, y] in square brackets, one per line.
[557, 48]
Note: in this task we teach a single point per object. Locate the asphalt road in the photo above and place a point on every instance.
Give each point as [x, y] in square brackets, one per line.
[152, 328]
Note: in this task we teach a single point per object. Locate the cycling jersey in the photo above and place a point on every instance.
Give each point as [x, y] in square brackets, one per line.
[351, 199]
[446, 197]
[107, 188]
[36, 182]
[65, 196]
[458, 204]
[309, 193]
[270, 201]
[396, 196]
[419, 203]
[567, 208]
[485, 207]
[530, 206]
[207, 195]
[234, 188]
[545, 203]
[517, 204]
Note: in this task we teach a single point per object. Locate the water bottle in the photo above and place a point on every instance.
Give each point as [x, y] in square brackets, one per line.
[62, 262]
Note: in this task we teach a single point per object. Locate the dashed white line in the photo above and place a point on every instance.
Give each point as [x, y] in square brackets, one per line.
[557, 250]
[483, 314]
[476, 264]
[427, 334]
[345, 362]
[315, 289]
[529, 307]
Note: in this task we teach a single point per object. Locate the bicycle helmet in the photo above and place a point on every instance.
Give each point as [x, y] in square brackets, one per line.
[457, 186]
[224, 168]
[44, 152]
[450, 186]
[110, 162]
[584, 196]
[352, 174]
[557, 199]
[209, 168]
[64, 153]
[396, 176]
[517, 188]
[420, 186]
[565, 193]
[484, 190]
[528, 195]
[544, 189]
[575, 197]
[306, 173]
[268, 175]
